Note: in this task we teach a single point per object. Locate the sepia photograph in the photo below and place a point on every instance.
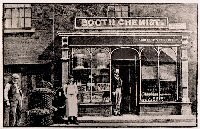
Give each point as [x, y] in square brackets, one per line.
[100, 65]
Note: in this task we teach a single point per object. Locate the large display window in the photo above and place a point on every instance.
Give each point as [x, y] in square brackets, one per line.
[159, 78]
[91, 70]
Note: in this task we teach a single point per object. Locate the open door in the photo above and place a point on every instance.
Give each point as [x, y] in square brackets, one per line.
[128, 65]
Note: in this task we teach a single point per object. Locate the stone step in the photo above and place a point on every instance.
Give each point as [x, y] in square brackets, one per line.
[174, 124]
[137, 119]
[134, 120]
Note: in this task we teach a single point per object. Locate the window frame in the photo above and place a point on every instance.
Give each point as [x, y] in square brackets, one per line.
[23, 13]
[159, 80]
[114, 11]
[93, 83]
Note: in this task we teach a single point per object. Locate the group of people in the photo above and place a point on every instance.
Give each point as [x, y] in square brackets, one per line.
[13, 97]
[71, 91]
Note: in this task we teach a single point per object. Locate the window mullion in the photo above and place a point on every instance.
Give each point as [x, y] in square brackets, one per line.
[128, 11]
[114, 10]
[178, 73]
[121, 11]
[18, 17]
[11, 18]
[158, 74]
[24, 17]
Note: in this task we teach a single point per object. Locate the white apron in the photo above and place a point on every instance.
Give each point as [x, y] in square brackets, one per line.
[71, 103]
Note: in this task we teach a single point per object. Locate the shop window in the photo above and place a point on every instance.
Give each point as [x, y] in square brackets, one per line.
[159, 74]
[91, 70]
[17, 16]
[168, 74]
[149, 69]
[118, 11]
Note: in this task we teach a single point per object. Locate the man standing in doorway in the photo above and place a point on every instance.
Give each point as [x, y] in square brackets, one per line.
[117, 91]
[13, 98]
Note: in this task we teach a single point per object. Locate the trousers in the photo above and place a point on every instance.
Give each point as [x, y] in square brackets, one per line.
[118, 98]
[15, 113]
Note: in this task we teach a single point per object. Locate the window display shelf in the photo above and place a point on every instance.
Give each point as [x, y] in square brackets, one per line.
[159, 102]
[168, 80]
[165, 94]
[84, 91]
[101, 68]
[102, 103]
[150, 99]
[81, 68]
[149, 79]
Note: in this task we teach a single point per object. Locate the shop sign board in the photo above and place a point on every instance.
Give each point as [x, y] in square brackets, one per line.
[125, 40]
[177, 26]
[158, 40]
[120, 23]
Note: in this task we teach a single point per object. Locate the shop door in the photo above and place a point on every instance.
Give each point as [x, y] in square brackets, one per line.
[128, 74]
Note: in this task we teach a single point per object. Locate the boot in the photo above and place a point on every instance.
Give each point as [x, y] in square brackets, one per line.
[69, 120]
[75, 121]
[119, 114]
[115, 112]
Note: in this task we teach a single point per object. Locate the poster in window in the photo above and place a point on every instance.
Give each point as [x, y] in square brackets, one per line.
[149, 72]
[167, 72]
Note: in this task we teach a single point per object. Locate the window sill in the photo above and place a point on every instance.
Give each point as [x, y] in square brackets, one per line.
[7, 31]
[93, 104]
[160, 102]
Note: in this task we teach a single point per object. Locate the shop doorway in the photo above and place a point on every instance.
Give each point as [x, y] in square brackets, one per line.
[128, 65]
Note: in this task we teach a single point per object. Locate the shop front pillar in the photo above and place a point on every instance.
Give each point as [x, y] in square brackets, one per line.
[186, 104]
[65, 61]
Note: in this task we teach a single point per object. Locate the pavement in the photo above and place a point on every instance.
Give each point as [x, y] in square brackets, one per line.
[135, 121]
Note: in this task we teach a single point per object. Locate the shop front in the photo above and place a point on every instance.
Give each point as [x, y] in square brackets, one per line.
[151, 58]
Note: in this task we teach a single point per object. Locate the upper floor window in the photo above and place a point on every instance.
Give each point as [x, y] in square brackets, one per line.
[118, 11]
[17, 16]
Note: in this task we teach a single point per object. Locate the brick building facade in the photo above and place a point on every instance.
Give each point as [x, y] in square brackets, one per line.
[34, 35]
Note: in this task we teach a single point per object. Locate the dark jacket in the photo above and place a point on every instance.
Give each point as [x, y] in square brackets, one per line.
[117, 83]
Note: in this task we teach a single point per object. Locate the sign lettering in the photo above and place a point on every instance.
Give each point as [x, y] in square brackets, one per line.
[110, 23]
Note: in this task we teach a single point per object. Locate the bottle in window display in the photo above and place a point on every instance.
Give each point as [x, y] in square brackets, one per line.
[80, 58]
[101, 60]
[105, 78]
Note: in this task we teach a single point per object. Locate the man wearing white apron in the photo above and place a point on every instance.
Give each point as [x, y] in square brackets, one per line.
[71, 91]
